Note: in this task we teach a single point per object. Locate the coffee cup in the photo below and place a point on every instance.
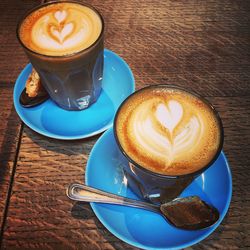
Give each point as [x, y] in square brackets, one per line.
[169, 137]
[64, 43]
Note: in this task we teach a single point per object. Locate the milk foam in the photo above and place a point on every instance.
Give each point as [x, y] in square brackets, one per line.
[163, 143]
[170, 133]
[61, 29]
[169, 115]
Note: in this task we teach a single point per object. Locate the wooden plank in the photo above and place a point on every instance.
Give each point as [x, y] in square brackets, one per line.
[13, 58]
[40, 215]
[11, 63]
[203, 46]
[9, 135]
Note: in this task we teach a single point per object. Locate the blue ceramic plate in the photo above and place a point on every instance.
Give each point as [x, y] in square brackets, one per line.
[50, 120]
[145, 229]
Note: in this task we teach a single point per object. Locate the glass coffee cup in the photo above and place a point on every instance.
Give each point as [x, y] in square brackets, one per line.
[169, 137]
[64, 41]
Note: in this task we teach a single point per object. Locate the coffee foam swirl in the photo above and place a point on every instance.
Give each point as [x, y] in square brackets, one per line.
[61, 29]
[155, 129]
[168, 133]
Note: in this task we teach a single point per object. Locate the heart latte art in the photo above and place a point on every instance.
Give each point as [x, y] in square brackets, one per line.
[60, 29]
[168, 131]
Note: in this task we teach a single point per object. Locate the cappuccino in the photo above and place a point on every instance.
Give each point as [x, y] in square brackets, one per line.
[60, 29]
[65, 44]
[168, 130]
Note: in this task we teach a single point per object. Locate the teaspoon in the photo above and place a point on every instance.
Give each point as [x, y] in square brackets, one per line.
[190, 213]
[29, 102]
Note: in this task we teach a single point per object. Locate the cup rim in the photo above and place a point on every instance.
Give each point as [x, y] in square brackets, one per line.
[192, 174]
[58, 2]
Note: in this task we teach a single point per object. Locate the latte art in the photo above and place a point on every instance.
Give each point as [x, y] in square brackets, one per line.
[61, 29]
[166, 131]
[155, 130]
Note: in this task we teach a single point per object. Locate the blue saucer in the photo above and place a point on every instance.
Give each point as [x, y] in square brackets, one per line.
[50, 120]
[145, 229]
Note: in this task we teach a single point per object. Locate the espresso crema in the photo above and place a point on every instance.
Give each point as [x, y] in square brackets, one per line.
[168, 131]
[60, 29]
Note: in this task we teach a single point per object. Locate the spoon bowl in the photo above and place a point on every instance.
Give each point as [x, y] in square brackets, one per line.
[190, 213]
[29, 102]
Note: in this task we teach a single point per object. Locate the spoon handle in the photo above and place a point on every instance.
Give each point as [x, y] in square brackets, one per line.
[79, 192]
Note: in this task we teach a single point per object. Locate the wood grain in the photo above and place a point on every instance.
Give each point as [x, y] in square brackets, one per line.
[199, 45]
[10, 125]
[12, 54]
[203, 46]
[9, 130]
[39, 207]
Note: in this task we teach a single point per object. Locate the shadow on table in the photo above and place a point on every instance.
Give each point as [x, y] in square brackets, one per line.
[9, 144]
[83, 211]
[67, 147]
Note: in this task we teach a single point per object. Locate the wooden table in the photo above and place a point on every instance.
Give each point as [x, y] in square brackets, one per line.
[203, 46]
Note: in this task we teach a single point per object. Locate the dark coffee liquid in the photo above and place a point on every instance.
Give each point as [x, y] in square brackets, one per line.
[73, 83]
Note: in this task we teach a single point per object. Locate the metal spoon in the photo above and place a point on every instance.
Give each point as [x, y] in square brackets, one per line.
[186, 213]
[29, 102]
